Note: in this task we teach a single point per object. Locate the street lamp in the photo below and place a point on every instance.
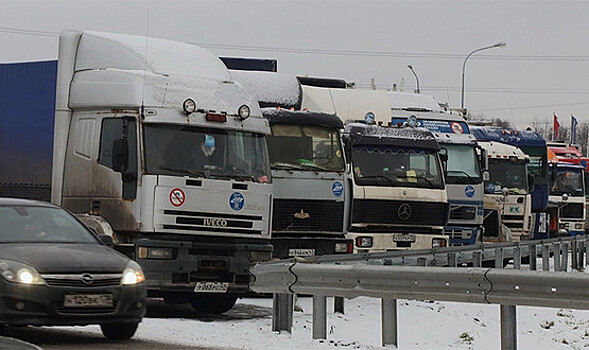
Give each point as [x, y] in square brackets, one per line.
[416, 78]
[501, 44]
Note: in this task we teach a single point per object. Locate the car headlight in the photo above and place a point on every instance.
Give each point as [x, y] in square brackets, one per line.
[133, 274]
[16, 272]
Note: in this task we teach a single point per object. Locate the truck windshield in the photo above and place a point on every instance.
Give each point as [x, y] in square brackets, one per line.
[396, 167]
[463, 164]
[507, 173]
[205, 152]
[569, 181]
[308, 148]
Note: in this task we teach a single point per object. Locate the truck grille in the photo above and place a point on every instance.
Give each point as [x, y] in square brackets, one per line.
[374, 211]
[514, 221]
[462, 212]
[572, 211]
[491, 223]
[308, 215]
[213, 222]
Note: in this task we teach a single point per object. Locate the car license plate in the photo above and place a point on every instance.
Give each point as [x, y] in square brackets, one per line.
[88, 300]
[404, 237]
[301, 252]
[211, 287]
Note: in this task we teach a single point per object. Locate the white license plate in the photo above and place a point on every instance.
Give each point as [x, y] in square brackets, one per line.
[211, 287]
[301, 252]
[404, 238]
[88, 300]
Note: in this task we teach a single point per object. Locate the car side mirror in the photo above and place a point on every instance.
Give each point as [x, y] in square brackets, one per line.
[120, 155]
[107, 240]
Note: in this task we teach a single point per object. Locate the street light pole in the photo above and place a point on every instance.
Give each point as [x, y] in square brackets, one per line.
[501, 44]
[416, 78]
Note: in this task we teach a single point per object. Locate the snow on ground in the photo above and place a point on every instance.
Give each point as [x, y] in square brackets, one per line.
[422, 325]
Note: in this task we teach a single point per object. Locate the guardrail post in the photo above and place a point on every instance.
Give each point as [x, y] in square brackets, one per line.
[517, 257]
[533, 256]
[319, 317]
[581, 254]
[389, 322]
[586, 250]
[282, 312]
[574, 261]
[338, 305]
[452, 260]
[557, 248]
[545, 257]
[477, 259]
[499, 258]
[421, 261]
[508, 327]
[565, 256]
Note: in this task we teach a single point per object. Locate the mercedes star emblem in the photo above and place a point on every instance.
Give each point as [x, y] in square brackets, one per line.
[404, 211]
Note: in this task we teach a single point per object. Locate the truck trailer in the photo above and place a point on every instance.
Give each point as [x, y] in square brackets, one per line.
[152, 142]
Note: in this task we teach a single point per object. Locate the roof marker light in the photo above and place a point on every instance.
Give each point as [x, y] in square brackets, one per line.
[189, 106]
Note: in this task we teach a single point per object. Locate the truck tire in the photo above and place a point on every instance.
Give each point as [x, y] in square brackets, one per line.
[213, 303]
[119, 331]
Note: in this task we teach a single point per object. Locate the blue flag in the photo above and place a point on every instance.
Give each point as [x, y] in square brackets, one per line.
[573, 129]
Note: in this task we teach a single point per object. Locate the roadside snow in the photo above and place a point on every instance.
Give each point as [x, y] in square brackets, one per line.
[422, 325]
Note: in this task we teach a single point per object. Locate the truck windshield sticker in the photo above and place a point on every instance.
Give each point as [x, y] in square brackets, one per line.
[236, 201]
[177, 197]
[337, 188]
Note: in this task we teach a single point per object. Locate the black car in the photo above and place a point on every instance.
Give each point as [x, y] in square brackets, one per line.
[56, 271]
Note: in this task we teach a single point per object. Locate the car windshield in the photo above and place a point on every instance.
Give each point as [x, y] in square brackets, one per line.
[41, 224]
[306, 148]
[396, 167]
[462, 165]
[205, 152]
[569, 181]
[507, 173]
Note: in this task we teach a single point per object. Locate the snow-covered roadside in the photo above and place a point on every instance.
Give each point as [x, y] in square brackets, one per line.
[422, 325]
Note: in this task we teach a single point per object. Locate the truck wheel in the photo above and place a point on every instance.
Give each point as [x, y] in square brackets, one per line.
[213, 303]
[119, 331]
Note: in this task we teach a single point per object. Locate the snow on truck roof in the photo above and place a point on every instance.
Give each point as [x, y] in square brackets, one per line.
[375, 135]
[128, 71]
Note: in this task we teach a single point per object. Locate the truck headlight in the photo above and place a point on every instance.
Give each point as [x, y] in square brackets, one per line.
[439, 242]
[155, 253]
[13, 271]
[364, 242]
[133, 274]
[343, 248]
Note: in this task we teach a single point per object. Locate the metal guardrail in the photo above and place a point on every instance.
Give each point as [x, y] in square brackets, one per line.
[434, 275]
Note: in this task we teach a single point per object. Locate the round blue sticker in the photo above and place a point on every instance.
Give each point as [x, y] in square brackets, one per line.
[469, 191]
[337, 188]
[236, 201]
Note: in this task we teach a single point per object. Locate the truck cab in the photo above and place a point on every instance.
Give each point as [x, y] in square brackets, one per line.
[566, 205]
[311, 190]
[509, 187]
[399, 198]
[157, 146]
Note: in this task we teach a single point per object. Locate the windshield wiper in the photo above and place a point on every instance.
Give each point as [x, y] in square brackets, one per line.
[417, 177]
[286, 166]
[379, 177]
[313, 166]
[470, 178]
[185, 171]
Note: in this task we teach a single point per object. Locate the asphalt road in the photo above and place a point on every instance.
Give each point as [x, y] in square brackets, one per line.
[59, 338]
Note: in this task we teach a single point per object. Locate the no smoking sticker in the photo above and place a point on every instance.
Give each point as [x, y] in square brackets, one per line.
[177, 197]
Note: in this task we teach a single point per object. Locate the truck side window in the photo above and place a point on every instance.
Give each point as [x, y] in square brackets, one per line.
[112, 129]
[118, 128]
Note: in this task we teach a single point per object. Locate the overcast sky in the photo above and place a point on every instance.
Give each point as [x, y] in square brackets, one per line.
[544, 68]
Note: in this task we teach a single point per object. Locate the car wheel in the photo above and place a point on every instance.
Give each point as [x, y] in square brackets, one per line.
[213, 304]
[119, 331]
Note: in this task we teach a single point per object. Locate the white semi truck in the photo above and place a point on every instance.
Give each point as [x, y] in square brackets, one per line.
[509, 187]
[154, 144]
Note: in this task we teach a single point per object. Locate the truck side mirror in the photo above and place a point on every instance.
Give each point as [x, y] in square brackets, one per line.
[486, 176]
[444, 158]
[347, 147]
[120, 155]
[531, 182]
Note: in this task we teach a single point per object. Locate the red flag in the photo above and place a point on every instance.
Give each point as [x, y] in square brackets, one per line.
[556, 126]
